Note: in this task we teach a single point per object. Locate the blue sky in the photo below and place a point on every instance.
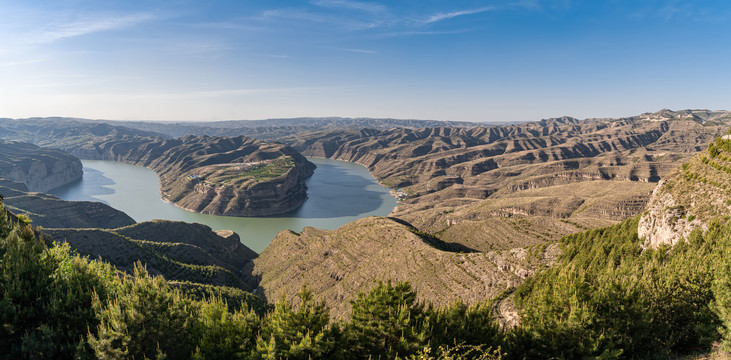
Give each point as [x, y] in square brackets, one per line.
[447, 60]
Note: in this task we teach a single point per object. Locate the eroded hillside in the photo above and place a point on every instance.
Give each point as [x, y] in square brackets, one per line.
[695, 193]
[337, 264]
[557, 176]
[216, 175]
[219, 175]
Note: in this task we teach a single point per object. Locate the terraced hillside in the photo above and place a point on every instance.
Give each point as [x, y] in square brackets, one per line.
[338, 264]
[484, 177]
[177, 250]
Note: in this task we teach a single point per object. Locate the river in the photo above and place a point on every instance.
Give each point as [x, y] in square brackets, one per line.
[339, 192]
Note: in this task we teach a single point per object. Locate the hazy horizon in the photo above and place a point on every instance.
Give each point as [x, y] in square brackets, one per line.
[465, 60]
[344, 117]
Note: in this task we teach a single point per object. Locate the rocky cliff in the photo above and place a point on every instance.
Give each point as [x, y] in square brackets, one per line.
[40, 169]
[695, 193]
[260, 188]
[665, 222]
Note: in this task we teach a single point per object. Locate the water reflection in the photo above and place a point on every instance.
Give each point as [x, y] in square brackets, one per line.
[91, 185]
[338, 191]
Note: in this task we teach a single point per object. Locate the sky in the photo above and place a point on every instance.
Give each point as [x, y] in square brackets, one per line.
[461, 60]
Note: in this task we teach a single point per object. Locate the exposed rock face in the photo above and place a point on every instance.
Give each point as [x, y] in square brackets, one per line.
[694, 194]
[665, 222]
[38, 168]
[275, 196]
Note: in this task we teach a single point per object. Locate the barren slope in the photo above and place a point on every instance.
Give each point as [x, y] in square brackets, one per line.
[338, 264]
[490, 175]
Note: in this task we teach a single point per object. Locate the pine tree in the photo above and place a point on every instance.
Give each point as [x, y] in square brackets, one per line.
[385, 323]
[25, 289]
[462, 324]
[225, 335]
[76, 283]
[297, 334]
[147, 319]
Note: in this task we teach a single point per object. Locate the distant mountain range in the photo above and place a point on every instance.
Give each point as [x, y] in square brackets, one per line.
[260, 129]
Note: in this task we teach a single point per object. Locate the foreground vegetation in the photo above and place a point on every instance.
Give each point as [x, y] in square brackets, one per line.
[605, 298]
[58, 305]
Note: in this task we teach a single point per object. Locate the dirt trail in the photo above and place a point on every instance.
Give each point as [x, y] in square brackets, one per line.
[505, 311]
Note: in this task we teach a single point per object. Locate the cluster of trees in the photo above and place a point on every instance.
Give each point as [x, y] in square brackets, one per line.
[608, 298]
[720, 144]
[605, 298]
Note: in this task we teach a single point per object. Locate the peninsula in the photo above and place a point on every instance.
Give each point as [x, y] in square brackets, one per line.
[217, 175]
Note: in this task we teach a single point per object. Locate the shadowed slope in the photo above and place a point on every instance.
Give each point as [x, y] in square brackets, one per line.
[179, 251]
